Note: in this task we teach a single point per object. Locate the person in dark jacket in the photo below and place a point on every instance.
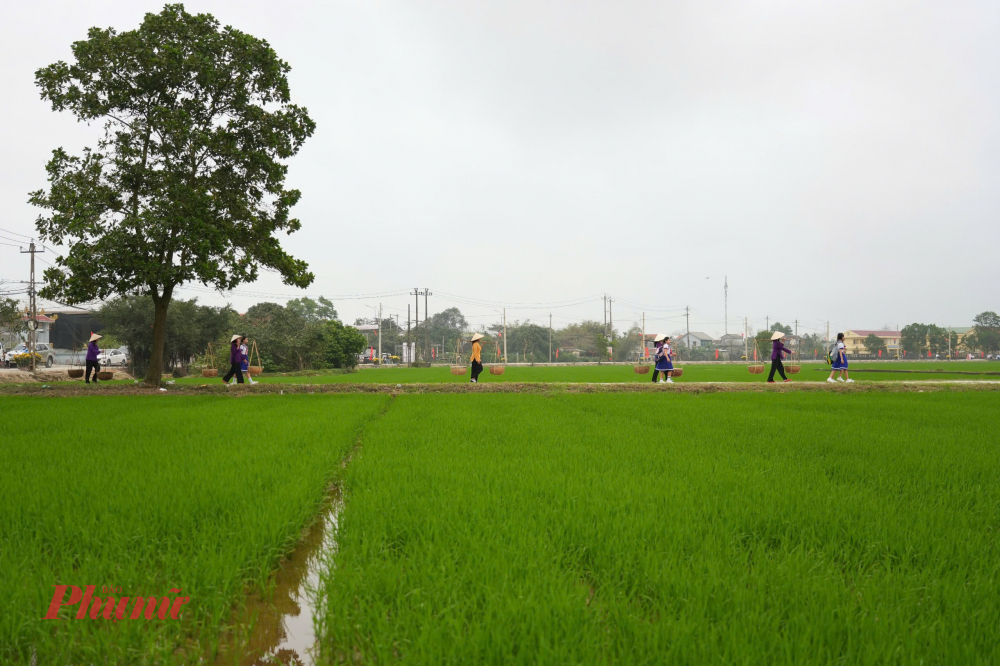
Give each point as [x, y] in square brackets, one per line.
[235, 361]
[92, 353]
[778, 352]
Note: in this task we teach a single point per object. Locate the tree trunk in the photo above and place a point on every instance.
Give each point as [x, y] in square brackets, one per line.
[155, 371]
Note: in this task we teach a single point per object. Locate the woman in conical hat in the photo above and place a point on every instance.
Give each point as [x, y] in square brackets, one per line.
[92, 353]
[476, 358]
[778, 351]
[235, 359]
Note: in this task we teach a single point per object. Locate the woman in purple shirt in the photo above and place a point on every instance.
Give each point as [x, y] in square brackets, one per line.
[92, 353]
[235, 360]
[778, 352]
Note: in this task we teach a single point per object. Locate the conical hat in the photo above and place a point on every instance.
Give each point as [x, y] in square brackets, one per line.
[95, 336]
[477, 336]
[235, 338]
[777, 335]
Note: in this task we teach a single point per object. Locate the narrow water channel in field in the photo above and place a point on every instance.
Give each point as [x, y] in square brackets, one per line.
[283, 632]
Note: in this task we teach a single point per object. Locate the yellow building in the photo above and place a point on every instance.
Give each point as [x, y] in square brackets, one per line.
[854, 339]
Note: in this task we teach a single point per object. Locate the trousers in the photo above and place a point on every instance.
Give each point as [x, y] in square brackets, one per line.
[477, 367]
[96, 367]
[776, 365]
[234, 369]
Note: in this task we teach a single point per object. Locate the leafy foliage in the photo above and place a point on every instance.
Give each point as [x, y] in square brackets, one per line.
[874, 344]
[313, 311]
[190, 327]
[913, 339]
[986, 335]
[12, 326]
[187, 183]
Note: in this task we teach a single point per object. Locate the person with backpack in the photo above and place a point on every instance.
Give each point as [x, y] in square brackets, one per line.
[838, 355]
[663, 363]
[778, 351]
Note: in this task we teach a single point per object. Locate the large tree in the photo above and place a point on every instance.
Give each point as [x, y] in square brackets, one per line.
[913, 339]
[187, 182]
[986, 335]
[874, 344]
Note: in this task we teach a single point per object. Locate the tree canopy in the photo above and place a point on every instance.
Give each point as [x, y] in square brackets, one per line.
[187, 181]
[874, 344]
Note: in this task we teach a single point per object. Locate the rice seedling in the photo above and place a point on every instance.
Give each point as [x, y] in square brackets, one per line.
[741, 528]
[149, 494]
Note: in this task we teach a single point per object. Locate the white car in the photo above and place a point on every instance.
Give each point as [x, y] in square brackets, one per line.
[43, 350]
[111, 357]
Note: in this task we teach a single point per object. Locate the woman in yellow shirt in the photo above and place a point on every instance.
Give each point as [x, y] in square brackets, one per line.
[476, 358]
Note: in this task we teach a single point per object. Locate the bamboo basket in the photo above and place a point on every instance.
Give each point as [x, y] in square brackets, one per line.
[105, 375]
[677, 372]
[498, 368]
[211, 371]
[793, 369]
[755, 369]
[458, 367]
[75, 372]
[254, 369]
[641, 369]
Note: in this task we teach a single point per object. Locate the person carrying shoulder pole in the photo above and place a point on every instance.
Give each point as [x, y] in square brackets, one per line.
[663, 363]
[92, 353]
[476, 358]
[778, 351]
[235, 359]
[840, 362]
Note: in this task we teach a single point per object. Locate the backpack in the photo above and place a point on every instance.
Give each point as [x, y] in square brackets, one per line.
[832, 354]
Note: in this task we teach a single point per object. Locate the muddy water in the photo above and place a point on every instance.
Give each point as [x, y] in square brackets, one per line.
[283, 632]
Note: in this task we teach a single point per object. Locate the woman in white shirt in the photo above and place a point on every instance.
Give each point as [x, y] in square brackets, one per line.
[840, 362]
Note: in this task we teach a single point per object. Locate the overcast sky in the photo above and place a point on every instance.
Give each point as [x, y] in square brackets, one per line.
[838, 161]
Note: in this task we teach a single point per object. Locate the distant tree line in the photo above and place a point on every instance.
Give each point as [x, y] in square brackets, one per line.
[304, 334]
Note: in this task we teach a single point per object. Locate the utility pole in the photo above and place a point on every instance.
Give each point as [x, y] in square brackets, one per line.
[604, 308]
[407, 355]
[32, 303]
[505, 335]
[687, 315]
[416, 320]
[767, 323]
[796, 328]
[746, 349]
[642, 347]
[550, 337]
[828, 333]
[726, 288]
[611, 322]
[380, 333]
[427, 293]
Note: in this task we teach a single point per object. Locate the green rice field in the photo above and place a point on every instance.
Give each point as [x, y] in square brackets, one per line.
[543, 528]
